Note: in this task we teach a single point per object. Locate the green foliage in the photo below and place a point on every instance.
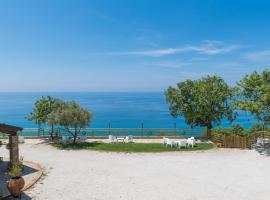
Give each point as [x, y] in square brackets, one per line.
[15, 171]
[236, 129]
[202, 102]
[258, 127]
[254, 95]
[72, 117]
[129, 147]
[43, 107]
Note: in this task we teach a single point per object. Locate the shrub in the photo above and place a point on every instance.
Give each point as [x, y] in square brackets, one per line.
[15, 171]
[236, 129]
[258, 127]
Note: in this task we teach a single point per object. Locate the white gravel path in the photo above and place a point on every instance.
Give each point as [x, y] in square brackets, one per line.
[215, 174]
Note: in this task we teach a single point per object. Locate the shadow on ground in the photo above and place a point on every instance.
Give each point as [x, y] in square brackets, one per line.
[22, 197]
[4, 177]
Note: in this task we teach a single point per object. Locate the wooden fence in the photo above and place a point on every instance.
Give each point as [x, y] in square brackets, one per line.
[235, 141]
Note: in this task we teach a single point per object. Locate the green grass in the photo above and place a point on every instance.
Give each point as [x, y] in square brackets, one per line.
[131, 147]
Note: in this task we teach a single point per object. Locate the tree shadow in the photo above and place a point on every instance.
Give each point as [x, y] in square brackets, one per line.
[77, 146]
[22, 197]
[4, 177]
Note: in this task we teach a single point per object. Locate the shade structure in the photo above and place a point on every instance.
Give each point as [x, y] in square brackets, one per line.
[12, 132]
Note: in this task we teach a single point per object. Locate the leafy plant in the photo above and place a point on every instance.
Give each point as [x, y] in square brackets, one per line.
[15, 171]
[237, 129]
[258, 127]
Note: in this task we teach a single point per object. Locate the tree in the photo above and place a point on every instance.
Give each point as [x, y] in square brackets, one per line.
[39, 112]
[72, 117]
[172, 108]
[202, 102]
[254, 95]
[43, 107]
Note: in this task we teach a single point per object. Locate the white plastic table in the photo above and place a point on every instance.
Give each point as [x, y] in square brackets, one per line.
[120, 139]
[178, 142]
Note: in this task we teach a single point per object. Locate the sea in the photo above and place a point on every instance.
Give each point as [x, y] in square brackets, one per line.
[114, 109]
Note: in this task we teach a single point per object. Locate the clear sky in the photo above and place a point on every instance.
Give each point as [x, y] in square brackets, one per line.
[129, 45]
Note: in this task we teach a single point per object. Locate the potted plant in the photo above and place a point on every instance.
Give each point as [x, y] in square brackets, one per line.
[1, 194]
[16, 183]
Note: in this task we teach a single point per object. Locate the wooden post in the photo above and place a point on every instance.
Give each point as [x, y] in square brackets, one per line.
[14, 150]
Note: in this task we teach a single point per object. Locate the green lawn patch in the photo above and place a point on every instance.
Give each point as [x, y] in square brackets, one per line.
[129, 147]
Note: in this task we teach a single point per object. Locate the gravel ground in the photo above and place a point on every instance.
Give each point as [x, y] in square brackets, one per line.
[213, 174]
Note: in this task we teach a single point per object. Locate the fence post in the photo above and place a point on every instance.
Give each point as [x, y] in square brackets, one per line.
[142, 128]
[109, 127]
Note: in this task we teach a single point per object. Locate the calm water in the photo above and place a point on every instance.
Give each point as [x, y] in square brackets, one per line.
[124, 110]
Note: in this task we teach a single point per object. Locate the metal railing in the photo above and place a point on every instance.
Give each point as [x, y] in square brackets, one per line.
[102, 132]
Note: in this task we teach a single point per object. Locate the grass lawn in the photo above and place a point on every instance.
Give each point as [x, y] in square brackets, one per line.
[129, 147]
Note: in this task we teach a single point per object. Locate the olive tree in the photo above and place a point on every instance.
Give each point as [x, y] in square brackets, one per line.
[254, 95]
[202, 102]
[72, 117]
[43, 107]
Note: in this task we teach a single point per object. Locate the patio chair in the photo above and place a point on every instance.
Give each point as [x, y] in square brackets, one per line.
[170, 142]
[65, 139]
[112, 139]
[260, 141]
[182, 143]
[191, 142]
[165, 140]
[129, 138]
[82, 138]
[21, 139]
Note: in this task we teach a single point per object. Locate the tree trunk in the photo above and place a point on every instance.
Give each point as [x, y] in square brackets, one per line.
[39, 130]
[174, 124]
[75, 136]
[209, 130]
[52, 131]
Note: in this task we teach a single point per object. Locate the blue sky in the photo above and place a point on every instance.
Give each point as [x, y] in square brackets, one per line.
[124, 45]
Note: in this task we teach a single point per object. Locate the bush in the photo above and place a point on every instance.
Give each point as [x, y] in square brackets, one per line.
[15, 171]
[236, 129]
[258, 127]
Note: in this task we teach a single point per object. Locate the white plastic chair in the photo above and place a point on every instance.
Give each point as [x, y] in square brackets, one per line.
[21, 139]
[112, 139]
[170, 142]
[191, 142]
[129, 138]
[65, 138]
[260, 141]
[165, 140]
[82, 138]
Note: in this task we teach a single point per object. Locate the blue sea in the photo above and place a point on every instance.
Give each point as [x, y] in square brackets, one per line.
[120, 109]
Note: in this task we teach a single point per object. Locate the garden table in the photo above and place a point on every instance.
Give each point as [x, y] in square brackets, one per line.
[180, 142]
[120, 139]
